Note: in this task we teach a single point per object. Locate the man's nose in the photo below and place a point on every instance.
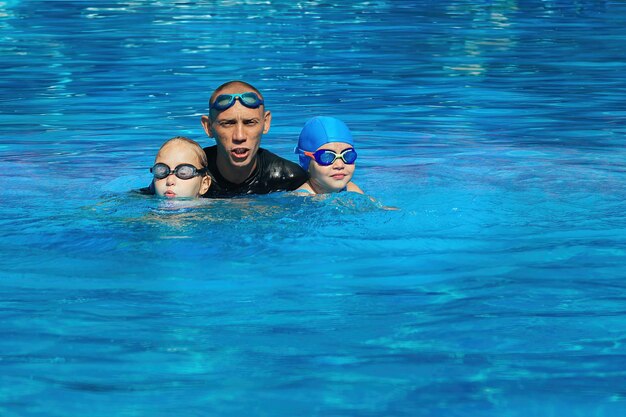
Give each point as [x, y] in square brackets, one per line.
[239, 134]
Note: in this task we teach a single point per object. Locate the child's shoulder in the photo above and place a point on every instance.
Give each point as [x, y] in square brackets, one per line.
[304, 189]
[354, 188]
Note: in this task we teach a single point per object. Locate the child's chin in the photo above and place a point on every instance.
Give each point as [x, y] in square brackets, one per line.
[339, 185]
[335, 189]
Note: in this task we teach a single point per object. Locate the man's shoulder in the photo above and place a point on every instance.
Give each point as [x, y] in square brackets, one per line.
[270, 158]
[283, 174]
[211, 151]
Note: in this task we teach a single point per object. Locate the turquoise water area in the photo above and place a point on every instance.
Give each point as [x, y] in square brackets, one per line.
[497, 289]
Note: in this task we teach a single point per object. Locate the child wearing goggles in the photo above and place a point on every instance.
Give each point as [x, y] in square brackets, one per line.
[180, 169]
[326, 151]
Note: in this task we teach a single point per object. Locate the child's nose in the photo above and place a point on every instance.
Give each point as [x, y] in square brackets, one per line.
[171, 179]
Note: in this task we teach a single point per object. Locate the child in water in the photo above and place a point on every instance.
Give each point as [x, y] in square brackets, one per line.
[326, 152]
[180, 169]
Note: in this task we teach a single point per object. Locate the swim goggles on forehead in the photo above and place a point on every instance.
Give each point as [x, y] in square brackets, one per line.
[182, 171]
[225, 101]
[325, 157]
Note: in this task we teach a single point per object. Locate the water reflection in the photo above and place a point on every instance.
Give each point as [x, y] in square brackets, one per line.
[496, 126]
[409, 66]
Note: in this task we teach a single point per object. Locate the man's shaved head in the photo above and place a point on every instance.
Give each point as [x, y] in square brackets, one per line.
[235, 83]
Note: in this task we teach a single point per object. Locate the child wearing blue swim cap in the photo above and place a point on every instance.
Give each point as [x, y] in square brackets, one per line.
[326, 151]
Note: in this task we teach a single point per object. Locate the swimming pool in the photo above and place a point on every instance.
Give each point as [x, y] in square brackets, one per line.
[497, 128]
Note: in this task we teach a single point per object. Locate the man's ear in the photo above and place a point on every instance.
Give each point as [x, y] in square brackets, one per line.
[206, 124]
[267, 121]
[206, 184]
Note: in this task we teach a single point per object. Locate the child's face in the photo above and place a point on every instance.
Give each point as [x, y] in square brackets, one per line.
[334, 177]
[172, 155]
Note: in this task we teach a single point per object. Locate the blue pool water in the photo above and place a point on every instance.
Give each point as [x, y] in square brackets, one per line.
[497, 289]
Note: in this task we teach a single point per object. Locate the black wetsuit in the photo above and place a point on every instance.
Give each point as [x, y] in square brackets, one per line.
[272, 173]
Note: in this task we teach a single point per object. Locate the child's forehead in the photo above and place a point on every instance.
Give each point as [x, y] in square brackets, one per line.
[335, 146]
[178, 149]
[176, 145]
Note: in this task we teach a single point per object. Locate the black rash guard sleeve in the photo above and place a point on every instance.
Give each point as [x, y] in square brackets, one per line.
[272, 173]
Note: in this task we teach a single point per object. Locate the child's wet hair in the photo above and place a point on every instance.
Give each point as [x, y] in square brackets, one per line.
[197, 149]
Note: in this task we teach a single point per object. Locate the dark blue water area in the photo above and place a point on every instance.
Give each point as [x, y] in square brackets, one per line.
[485, 276]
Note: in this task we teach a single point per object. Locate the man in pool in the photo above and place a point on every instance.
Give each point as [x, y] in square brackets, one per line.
[237, 164]
[237, 119]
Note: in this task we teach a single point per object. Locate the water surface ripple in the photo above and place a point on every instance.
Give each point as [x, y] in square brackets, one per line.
[496, 127]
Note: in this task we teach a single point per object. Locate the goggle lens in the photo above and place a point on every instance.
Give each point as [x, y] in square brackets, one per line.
[182, 171]
[250, 100]
[326, 157]
[185, 172]
[349, 157]
[225, 101]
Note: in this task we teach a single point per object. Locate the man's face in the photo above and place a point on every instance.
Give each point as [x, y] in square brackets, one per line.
[238, 129]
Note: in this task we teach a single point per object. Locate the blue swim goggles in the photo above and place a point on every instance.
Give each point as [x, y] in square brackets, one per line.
[326, 157]
[182, 171]
[226, 101]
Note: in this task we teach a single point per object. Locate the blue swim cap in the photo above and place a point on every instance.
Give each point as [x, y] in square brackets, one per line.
[319, 131]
